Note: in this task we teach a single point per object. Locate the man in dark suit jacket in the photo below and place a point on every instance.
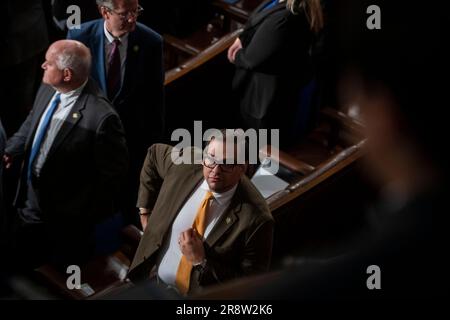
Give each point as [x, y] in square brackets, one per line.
[272, 64]
[139, 97]
[238, 235]
[75, 157]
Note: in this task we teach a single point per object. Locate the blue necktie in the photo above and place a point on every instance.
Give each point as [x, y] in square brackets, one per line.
[271, 4]
[41, 133]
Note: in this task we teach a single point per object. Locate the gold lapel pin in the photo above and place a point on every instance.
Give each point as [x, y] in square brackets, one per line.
[228, 220]
[75, 115]
[136, 48]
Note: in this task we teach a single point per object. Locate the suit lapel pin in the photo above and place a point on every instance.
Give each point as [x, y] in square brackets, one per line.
[228, 220]
[136, 48]
[75, 115]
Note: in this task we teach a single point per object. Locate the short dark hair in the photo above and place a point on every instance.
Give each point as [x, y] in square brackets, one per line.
[238, 137]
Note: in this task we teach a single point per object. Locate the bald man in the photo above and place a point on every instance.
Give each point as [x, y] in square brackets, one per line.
[74, 157]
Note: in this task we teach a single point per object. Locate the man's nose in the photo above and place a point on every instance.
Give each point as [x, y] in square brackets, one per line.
[217, 168]
[131, 18]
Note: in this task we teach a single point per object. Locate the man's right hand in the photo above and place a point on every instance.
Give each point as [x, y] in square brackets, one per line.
[143, 216]
[235, 47]
[144, 221]
[7, 160]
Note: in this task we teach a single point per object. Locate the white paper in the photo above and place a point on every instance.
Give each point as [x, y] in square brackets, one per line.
[267, 183]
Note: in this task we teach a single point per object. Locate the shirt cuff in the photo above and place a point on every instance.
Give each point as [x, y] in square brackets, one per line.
[144, 211]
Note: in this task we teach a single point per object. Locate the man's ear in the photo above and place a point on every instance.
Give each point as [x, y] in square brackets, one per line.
[103, 11]
[68, 74]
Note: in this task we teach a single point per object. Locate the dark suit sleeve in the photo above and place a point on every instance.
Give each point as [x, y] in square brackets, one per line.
[255, 257]
[111, 161]
[73, 34]
[156, 166]
[267, 42]
[81, 35]
[16, 144]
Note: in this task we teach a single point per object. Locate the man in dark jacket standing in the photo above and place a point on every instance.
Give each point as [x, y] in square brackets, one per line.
[127, 63]
[75, 157]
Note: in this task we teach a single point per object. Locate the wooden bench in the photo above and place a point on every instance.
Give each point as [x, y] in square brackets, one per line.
[177, 50]
[99, 276]
[325, 205]
[239, 10]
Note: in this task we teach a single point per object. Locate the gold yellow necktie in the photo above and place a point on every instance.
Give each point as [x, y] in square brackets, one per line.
[185, 267]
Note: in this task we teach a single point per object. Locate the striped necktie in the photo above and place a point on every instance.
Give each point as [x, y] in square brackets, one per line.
[114, 77]
[185, 267]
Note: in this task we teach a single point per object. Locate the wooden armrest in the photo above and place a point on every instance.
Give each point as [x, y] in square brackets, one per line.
[98, 275]
[218, 47]
[332, 165]
[181, 45]
[56, 279]
[131, 237]
[239, 11]
[132, 234]
[344, 119]
[322, 172]
[287, 160]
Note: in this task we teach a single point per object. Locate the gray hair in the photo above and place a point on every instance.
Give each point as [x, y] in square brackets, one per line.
[71, 58]
[106, 3]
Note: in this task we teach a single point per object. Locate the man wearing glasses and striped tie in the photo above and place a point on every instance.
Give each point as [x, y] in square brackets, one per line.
[204, 223]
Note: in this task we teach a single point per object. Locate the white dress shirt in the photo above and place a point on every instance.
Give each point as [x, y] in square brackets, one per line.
[122, 50]
[68, 100]
[171, 253]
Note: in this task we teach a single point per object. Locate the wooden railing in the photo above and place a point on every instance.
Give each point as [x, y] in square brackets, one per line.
[316, 176]
[239, 11]
[209, 53]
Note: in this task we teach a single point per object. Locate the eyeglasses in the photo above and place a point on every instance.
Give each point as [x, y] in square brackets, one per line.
[128, 14]
[210, 162]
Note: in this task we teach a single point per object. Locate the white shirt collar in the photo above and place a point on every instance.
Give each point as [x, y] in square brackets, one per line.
[67, 97]
[123, 39]
[223, 197]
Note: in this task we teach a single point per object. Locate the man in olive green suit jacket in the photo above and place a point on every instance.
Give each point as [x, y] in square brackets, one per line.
[239, 241]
